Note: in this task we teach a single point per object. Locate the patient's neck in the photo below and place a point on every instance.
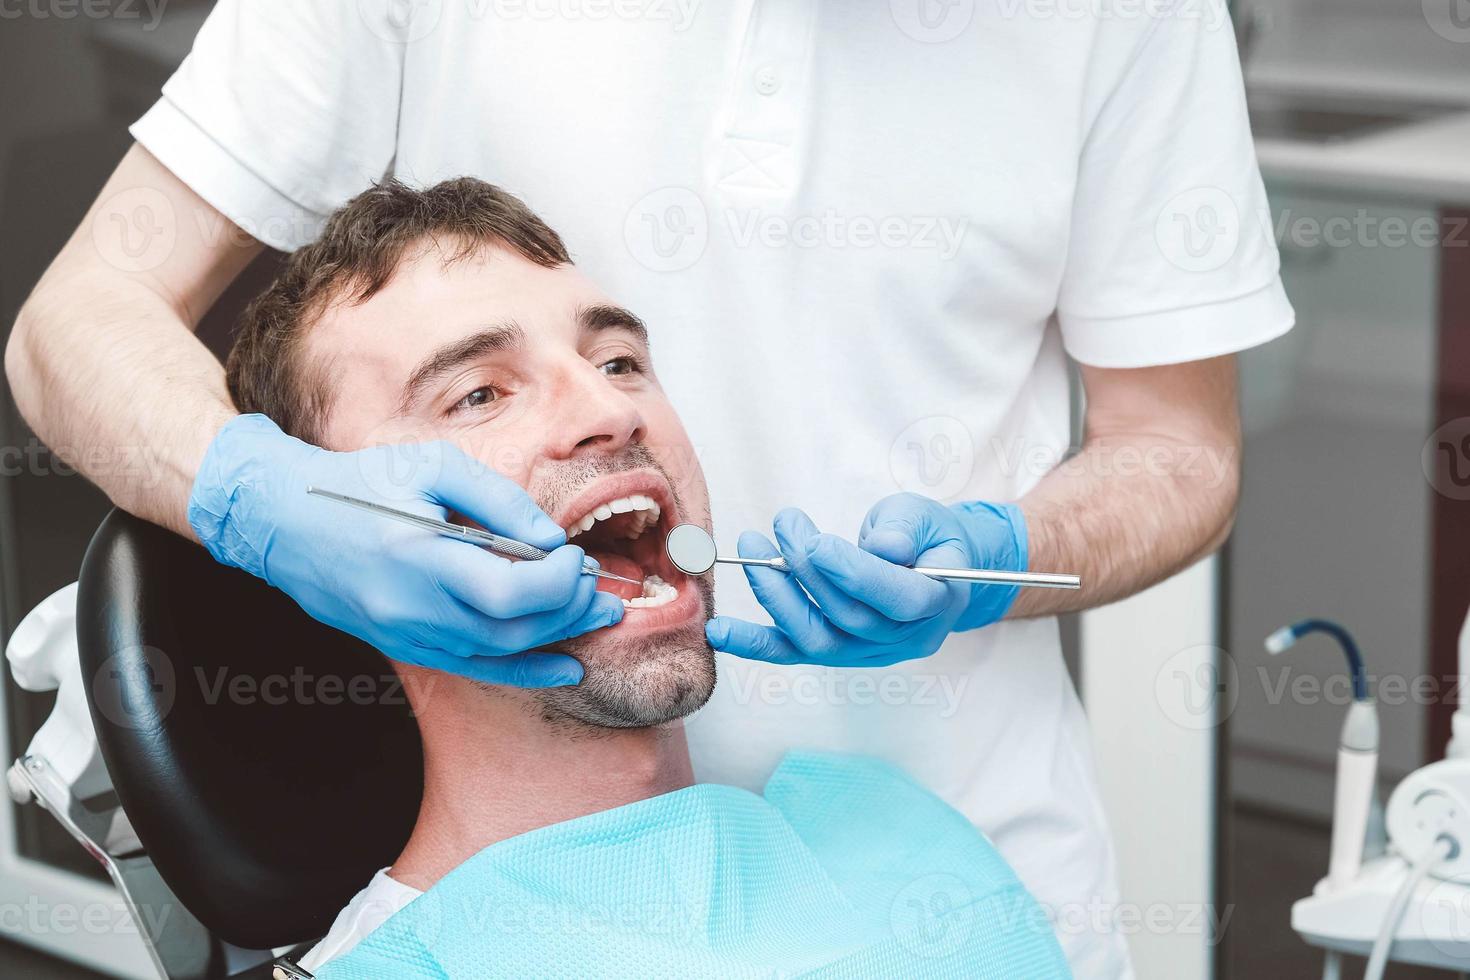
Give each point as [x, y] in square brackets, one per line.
[495, 768]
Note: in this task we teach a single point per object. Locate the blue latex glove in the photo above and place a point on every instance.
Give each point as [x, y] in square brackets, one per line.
[847, 605]
[419, 598]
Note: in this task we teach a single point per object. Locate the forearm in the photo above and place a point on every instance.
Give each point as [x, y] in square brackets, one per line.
[102, 360]
[113, 381]
[1123, 533]
[1152, 490]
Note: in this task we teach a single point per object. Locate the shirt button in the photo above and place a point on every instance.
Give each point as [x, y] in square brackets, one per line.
[767, 81]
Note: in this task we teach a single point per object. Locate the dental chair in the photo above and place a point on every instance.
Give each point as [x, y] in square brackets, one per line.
[251, 769]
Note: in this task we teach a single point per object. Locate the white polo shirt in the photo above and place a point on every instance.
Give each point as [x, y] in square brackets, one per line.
[865, 236]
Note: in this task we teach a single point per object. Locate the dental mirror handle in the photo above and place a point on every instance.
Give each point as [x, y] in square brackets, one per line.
[986, 576]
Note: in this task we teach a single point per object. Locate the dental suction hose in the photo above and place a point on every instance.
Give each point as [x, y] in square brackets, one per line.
[1444, 848]
[1286, 637]
[1357, 752]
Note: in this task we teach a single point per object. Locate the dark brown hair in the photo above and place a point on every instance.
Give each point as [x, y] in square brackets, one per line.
[360, 248]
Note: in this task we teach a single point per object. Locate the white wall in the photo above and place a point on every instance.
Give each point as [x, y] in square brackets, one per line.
[1149, 672]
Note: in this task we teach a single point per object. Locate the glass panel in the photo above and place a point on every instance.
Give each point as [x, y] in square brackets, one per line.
[1334, 522]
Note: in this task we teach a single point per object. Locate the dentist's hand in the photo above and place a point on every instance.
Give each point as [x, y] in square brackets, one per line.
[419, 598]
[846, 605]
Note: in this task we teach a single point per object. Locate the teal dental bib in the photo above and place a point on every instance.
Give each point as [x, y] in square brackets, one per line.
[844, 868]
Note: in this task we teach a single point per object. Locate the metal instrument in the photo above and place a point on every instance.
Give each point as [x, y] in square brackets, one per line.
[692, 551]
[498, 543]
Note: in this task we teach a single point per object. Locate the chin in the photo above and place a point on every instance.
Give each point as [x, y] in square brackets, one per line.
[637, 682]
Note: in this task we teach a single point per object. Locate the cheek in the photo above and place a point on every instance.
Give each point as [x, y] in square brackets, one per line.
[513, 440]
[671, 446]
[506, 456]
[359, 426]
[510, 450]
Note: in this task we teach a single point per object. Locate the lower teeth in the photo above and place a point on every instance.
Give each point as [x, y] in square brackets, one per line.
[656, 592]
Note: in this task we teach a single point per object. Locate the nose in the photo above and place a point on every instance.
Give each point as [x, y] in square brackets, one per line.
[594, 416]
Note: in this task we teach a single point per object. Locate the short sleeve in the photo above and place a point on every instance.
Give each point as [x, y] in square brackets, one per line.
[282, 111]
[1170, 256]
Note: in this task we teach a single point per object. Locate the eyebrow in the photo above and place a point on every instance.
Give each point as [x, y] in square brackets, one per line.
[593, 319]
[507, 336]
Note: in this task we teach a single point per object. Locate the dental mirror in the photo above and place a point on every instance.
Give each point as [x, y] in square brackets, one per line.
[692, 551]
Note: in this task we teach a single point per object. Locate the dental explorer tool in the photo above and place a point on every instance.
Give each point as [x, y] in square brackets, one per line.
[692, 551]
[501, 545]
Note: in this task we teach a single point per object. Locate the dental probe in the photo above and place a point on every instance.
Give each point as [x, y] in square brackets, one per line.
[692, 551]
[501, 545]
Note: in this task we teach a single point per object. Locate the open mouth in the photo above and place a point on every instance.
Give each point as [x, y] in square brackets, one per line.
[622, 522]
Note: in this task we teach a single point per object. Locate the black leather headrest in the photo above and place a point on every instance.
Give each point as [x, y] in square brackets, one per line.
[269, 764]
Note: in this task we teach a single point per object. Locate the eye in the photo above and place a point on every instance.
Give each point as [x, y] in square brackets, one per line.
[483, 395]
[621, 365]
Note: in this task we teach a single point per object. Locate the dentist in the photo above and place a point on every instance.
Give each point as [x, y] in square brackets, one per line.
[869, 238]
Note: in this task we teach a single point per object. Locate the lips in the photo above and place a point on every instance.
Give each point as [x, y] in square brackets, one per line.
[622, 521]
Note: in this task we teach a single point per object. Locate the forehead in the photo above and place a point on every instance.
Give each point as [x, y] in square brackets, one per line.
[431, 302]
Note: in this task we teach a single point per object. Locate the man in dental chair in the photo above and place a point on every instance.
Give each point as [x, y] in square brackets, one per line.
[561, 831]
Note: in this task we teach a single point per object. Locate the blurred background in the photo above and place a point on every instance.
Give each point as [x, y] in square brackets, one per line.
[1353, 505]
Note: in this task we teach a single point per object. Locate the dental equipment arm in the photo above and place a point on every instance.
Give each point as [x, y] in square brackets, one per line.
[1428, 823]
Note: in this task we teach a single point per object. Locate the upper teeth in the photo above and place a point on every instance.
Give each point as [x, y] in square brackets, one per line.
[645, 507]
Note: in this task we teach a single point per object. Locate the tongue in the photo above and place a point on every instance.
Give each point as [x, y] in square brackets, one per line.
[618, 565]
